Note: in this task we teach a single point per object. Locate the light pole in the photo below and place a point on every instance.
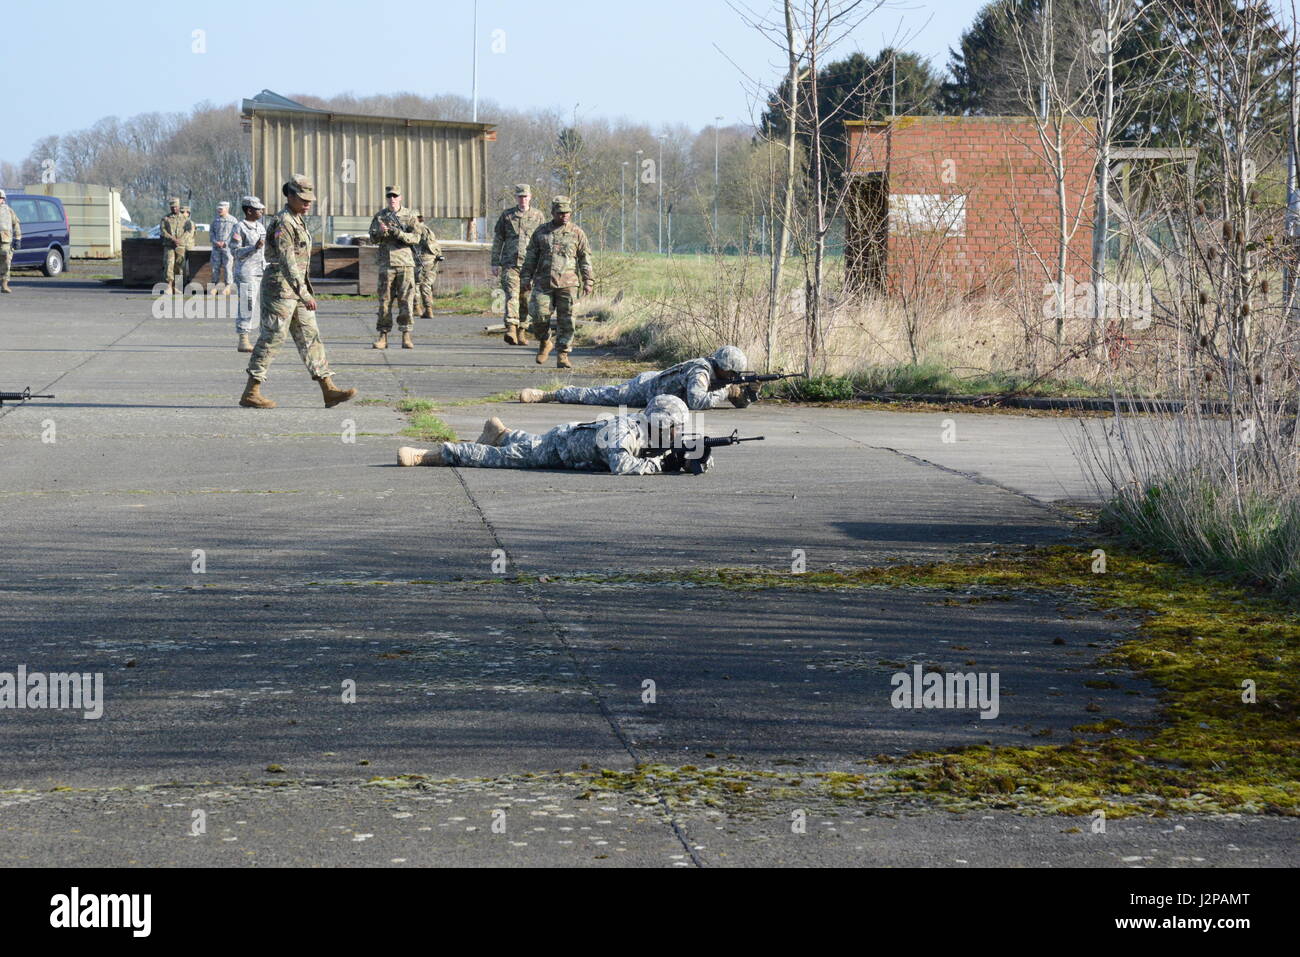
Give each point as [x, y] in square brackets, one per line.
[636, 205]
[659, 175]
[716, 121]
[622, 208]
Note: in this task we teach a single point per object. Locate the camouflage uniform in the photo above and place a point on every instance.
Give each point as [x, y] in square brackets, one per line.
[11, 231]
[172, 230]
[250, 264]
[514, 230]
[222, 261]
[285, 286]
[427, 253]
[396, 265]
[556, 256]
[612, 446]
[692, 381]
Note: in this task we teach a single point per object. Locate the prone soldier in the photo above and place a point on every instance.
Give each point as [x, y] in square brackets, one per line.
[703, 383]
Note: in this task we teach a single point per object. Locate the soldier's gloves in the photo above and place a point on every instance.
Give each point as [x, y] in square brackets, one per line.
[739, 396]
[673, 461]
[702, 464]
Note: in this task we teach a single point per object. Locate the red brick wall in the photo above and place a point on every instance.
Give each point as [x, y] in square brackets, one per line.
[999, 168]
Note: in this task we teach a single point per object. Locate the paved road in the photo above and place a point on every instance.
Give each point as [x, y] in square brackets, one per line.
[326, 567]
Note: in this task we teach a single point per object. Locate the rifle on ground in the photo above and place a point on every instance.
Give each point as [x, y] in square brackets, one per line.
[21, 396]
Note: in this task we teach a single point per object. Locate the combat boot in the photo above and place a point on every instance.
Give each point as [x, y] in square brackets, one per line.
[494, 431]
[331, 395]
[244, 344]
[536, 395]
[562, 360]
[511, 335]
[409, 456]
[4, 286]
[381, 342]
[521, 335]
[253, 398]
[543, 350]
[406, 339]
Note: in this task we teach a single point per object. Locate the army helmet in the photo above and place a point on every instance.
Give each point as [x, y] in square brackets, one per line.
[729, 359]
[667, 411]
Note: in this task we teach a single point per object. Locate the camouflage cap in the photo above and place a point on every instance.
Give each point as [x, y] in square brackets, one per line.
[174, 201]
[224, 204]
[523, 189]
[2, 194]
[301, 186]
[418, 214]
[392, 191]
[185, 209]
[251, 202]
[561, 204]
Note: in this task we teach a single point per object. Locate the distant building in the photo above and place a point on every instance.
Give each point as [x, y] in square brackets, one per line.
[968, 204]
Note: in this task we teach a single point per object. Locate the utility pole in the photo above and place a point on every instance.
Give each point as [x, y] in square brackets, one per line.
[474, 46]
[622, 208]
[893, 82]
[659, 175]
[636, 205]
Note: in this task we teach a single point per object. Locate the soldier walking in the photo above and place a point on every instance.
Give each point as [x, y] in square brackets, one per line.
[514, 230]
[428, 253]
[557, 253]
[222, 263]
[247, 246]
[11, 234]
[172, 230]
[393, 229]
[288, 301]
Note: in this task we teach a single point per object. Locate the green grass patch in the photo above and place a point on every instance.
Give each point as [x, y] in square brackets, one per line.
[1198, 640]
[414, 405]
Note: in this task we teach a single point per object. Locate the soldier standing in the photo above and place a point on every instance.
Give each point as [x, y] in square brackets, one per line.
[288, 301]
[247, 245]
[222, 263]
[557, 253]
[428, 253]
[514, 229]
[171, 229]
[187, 242]
[11, 234]
[393, 228]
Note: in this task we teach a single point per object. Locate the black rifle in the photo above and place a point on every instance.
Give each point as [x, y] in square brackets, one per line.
[682, 457]
[745, 378]
[21, 396]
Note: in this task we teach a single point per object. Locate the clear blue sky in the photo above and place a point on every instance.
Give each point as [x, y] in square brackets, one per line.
[657, 61]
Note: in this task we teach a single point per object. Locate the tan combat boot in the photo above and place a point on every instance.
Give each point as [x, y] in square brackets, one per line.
[381, 342]
[521, 337]
[494, 431]
[562, 360]
[244, 344]
[511, 336]
[253, 398]
[406, 339]
[4, 286]
[543, 350]
[536, 395]
[331, 395]
[409, 456]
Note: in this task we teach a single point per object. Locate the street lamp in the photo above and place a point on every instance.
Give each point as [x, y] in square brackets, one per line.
[659, 175]
[622, 208]
[636, 205]
[716, 121]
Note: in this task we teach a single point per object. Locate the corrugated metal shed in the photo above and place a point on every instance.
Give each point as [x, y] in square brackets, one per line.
[441, 166]
[94, 222]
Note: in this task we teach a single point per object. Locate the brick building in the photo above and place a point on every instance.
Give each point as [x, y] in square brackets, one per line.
[965, 203]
